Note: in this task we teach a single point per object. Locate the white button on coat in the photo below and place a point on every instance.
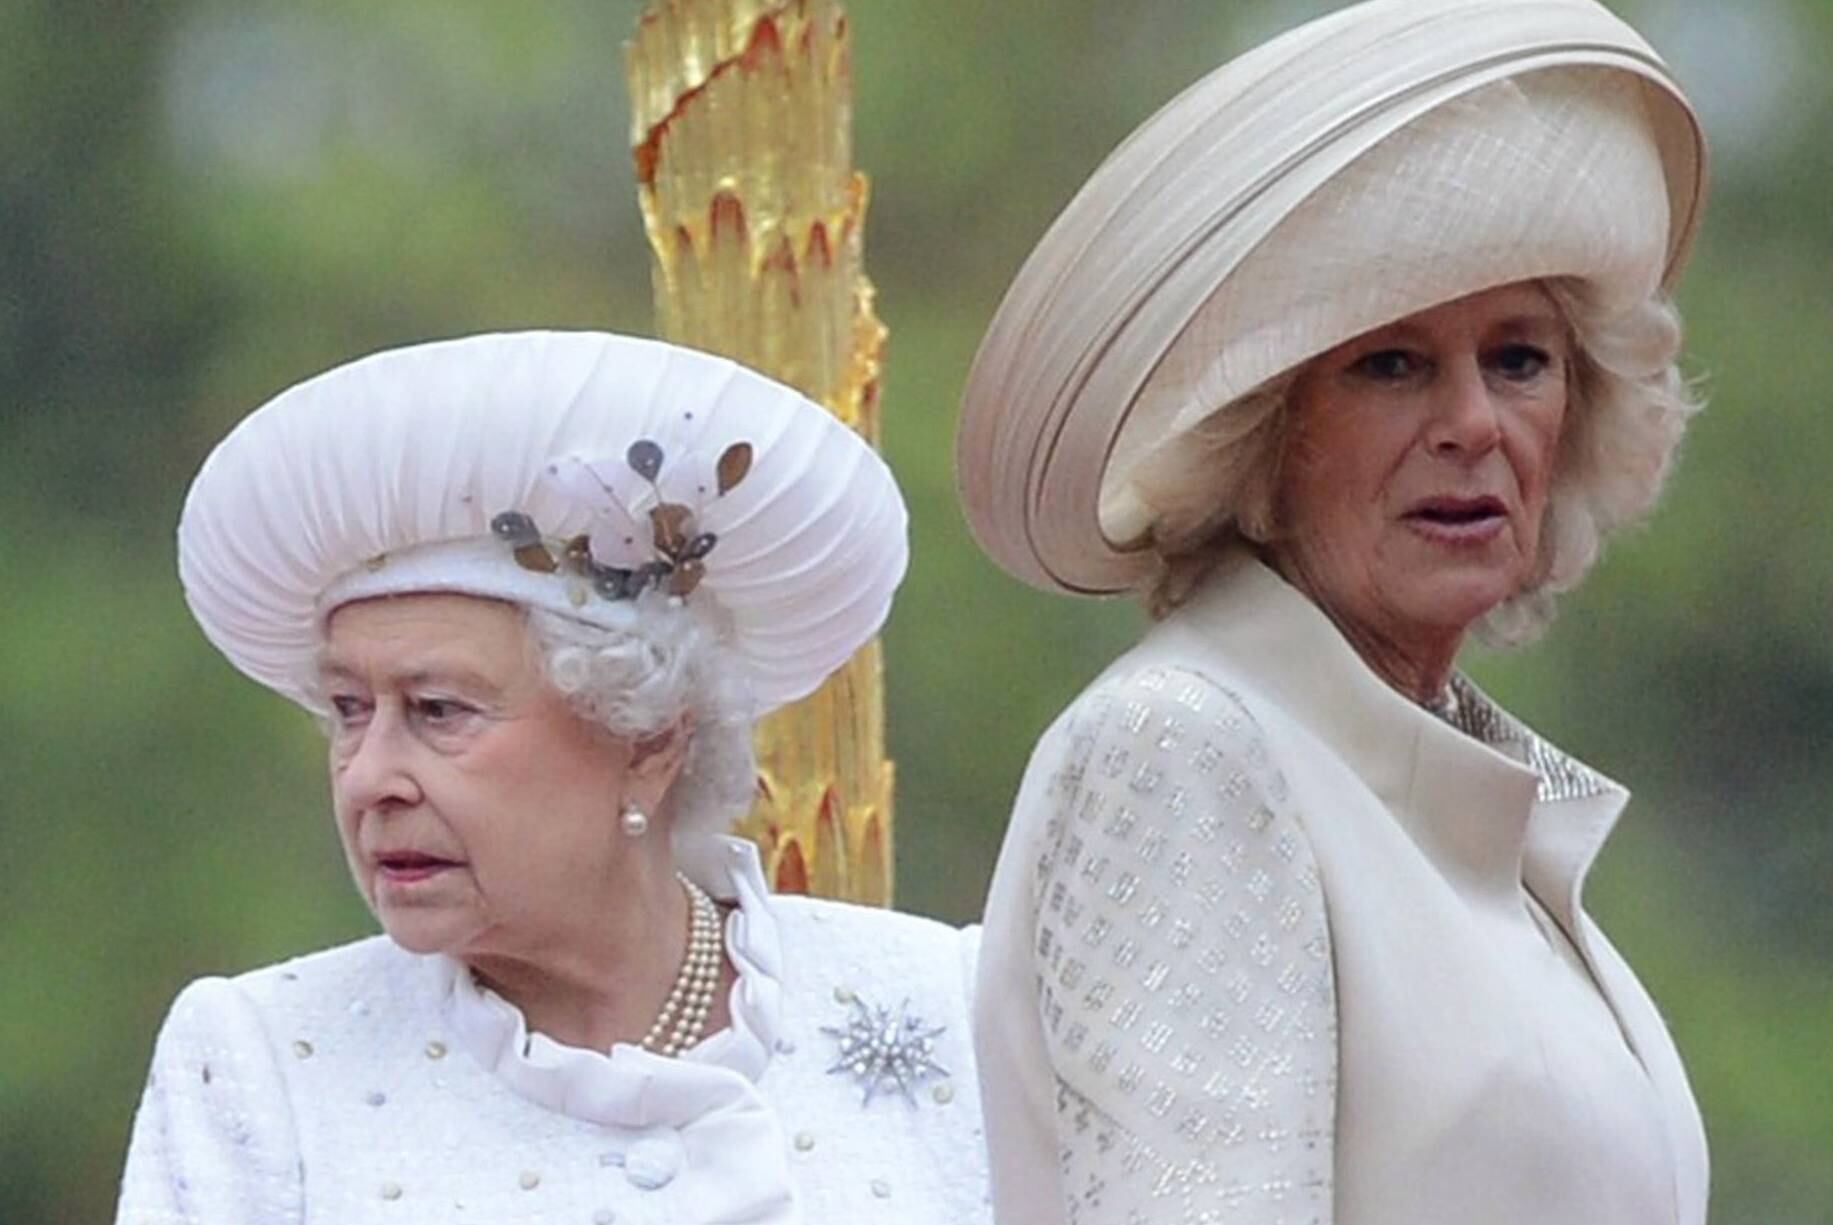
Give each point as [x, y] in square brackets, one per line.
[653, 1160]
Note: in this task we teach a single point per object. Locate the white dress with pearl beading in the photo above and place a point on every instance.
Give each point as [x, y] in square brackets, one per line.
[365, 1083]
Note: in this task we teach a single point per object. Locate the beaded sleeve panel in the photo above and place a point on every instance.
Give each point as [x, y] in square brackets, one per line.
[214, 1138]
[1184, 974]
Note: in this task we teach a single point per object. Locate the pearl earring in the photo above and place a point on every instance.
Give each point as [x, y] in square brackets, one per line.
[634, 821]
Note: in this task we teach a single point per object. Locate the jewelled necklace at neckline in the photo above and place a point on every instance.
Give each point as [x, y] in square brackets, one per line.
[682, 1021]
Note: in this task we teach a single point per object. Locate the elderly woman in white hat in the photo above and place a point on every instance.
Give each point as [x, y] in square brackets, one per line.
[538, 586]
[1359, 347]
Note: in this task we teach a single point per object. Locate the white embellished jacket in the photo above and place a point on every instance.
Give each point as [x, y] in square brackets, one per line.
[368, 1084]
[1269, 944]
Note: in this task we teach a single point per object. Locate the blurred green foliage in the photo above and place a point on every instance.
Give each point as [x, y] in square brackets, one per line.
[202, 201]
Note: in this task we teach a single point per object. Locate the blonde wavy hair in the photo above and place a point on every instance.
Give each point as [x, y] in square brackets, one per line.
[1629, 405]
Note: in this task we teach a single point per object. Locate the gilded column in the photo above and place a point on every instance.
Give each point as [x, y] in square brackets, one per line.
[741, 125]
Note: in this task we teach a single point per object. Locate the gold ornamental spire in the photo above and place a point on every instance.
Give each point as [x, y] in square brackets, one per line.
[741, 126]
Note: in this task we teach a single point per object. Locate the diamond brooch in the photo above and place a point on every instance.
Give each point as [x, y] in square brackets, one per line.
[885, 1052]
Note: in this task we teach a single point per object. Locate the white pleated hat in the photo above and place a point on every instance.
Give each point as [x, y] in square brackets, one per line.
[1387, 158]
[561, 470]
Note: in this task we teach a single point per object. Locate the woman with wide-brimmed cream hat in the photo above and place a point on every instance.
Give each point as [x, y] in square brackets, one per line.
[1360, 346]
[537, 586]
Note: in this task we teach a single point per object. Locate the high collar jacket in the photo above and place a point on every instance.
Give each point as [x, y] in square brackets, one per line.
[1445, 1035]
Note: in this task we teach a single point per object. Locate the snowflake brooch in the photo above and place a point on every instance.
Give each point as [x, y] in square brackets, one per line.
[883, 1052]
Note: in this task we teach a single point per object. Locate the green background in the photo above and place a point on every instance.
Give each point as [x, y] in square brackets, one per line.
[202, 201]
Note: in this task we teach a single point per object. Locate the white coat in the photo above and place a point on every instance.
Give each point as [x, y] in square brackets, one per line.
[368, 1084]
[1270, 943]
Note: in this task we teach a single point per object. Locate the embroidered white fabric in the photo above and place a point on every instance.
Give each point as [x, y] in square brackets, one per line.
[1494, 1059]
[366, 1084]
[1184, 968]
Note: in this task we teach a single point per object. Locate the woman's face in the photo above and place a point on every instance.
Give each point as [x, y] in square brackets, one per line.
[476, 810]
[1418, 465]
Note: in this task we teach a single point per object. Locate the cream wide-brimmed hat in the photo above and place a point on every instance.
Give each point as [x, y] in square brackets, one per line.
[570, 471]
[1366, 166]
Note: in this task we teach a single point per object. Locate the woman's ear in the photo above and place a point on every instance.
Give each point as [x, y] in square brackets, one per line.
[656, 759]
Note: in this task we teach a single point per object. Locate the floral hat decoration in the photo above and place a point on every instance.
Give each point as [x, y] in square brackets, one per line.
[572, 471]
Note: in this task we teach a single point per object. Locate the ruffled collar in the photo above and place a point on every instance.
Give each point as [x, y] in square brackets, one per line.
[699, 1116]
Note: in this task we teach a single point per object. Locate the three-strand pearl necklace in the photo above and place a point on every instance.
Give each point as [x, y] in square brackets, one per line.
[683, 1016]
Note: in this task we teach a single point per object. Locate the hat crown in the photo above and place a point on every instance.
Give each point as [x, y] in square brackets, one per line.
[384, 476]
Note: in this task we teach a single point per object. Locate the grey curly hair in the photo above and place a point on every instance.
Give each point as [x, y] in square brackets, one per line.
[1629, 406]
[638, 682]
